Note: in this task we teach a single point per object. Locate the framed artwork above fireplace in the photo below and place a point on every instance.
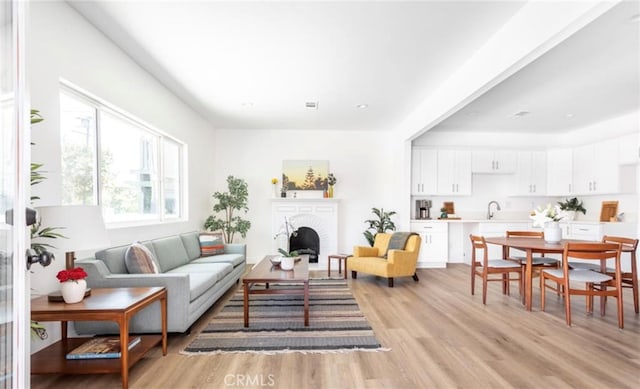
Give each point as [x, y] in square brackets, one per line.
[305, 174]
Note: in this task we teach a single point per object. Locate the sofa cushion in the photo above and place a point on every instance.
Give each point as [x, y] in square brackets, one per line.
[211, 243]
[140, 260]
[170, 252]
[202, 276]
[191, 244]
[234, 259]
[113, 257]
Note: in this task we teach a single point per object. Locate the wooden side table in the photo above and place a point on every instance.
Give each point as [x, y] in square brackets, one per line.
[108, 304]
[340, 258]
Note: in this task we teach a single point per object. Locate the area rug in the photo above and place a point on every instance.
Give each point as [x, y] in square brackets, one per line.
[276, 324]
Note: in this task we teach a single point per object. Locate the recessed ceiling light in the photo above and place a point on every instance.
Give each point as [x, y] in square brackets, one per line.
[247, 105]
[362, 106]
[635, 18]
[569, 115]
[521, 114]
[311, 104]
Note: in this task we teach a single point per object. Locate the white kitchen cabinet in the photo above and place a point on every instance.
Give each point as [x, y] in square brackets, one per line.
[596, 168]
[493, 161]
[454, 172]
[560, 172]
[424, 171]
[629, 149]
[435, 243]
[531, 174]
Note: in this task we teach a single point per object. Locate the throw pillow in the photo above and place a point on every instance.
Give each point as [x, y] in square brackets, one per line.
[140, 260]
[211, 243]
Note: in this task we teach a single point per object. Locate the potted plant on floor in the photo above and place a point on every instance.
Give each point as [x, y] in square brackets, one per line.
[235, 199]
[383, 223]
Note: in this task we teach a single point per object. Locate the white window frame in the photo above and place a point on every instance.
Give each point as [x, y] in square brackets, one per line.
[102, 106]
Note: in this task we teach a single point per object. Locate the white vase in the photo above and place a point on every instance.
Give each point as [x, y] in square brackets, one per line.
[73, 291]
[552, 232]
[287, 263]
[571, 215]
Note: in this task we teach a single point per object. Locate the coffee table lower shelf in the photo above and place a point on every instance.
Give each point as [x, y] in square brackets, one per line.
[52, 359]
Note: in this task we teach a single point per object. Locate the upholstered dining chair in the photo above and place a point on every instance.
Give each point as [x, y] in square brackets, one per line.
[537, 261]
[628, 279]
[483, 267]
[596, 283]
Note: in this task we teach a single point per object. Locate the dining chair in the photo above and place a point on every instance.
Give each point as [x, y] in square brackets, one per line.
[596, 283]
[484, 267]
[628, 279]
[537, 262]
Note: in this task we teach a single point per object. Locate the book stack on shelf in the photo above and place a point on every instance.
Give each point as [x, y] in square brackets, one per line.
[100, 348]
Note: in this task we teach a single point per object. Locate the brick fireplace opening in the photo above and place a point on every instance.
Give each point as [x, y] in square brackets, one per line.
[317, 215]
[306, 241]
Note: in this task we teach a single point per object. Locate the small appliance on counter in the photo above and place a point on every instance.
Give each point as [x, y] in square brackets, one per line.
[423, 209]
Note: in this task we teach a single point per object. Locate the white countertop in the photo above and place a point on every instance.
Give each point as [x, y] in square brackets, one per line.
[499, 221]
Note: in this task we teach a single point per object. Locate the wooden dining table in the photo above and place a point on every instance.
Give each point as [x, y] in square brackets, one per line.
[533, 246]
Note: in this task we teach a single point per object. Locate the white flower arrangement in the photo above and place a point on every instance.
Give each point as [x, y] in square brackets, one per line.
[540, 215]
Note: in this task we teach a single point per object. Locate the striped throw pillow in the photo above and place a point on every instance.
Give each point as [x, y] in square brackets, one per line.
[139, 260]
[211, 243]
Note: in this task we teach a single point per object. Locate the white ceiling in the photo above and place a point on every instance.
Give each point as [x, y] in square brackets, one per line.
[253, 65]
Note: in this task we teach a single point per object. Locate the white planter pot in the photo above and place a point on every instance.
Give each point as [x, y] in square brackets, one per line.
[552, 232]
[287, 263]
[73, 291]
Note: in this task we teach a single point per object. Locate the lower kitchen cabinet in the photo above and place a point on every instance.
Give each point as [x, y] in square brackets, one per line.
[434, 249]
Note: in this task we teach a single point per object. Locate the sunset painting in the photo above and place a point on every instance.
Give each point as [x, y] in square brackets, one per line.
[305, 174]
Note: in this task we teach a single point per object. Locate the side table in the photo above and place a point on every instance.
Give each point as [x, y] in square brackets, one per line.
[108, 304]
[340, 258]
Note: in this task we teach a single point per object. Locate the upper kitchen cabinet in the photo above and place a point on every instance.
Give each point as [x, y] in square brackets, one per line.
[595, 168]
[531, 174]
[454, 172]
[424, 171]
[493, 161]
[559, 172]
[629, 149]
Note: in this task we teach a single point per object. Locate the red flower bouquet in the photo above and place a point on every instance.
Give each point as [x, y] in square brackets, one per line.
[75, 274]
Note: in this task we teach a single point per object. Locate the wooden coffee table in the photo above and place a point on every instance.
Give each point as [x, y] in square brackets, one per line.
[104, 304]
[264, 272]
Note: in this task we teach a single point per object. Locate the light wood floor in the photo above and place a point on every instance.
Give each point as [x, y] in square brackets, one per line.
[440, 337]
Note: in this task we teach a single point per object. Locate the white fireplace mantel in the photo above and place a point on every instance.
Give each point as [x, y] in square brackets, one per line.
[319, 214]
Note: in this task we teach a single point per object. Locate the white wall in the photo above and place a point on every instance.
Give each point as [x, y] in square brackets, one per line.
[61, 44]
[365, 164]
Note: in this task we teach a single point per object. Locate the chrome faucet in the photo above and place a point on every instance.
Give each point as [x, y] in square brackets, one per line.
[489, 213]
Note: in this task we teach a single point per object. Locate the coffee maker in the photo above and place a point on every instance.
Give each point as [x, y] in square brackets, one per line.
[423, 209]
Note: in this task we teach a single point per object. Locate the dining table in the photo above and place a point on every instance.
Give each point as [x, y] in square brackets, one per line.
[533, 246]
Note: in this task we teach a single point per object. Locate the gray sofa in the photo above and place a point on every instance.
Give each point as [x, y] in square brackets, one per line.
[193, 283]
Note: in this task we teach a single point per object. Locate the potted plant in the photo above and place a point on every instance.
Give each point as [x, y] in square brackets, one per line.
[571, 207]
[228, 202]
[383, 223]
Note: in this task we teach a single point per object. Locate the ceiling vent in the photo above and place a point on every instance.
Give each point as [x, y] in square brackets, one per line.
[311, 105]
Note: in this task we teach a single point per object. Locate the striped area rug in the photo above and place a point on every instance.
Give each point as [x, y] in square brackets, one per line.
[276, 324]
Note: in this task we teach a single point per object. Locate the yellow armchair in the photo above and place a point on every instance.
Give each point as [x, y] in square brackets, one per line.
[398, 263]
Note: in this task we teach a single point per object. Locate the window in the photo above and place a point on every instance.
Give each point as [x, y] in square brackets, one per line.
[110, 158]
